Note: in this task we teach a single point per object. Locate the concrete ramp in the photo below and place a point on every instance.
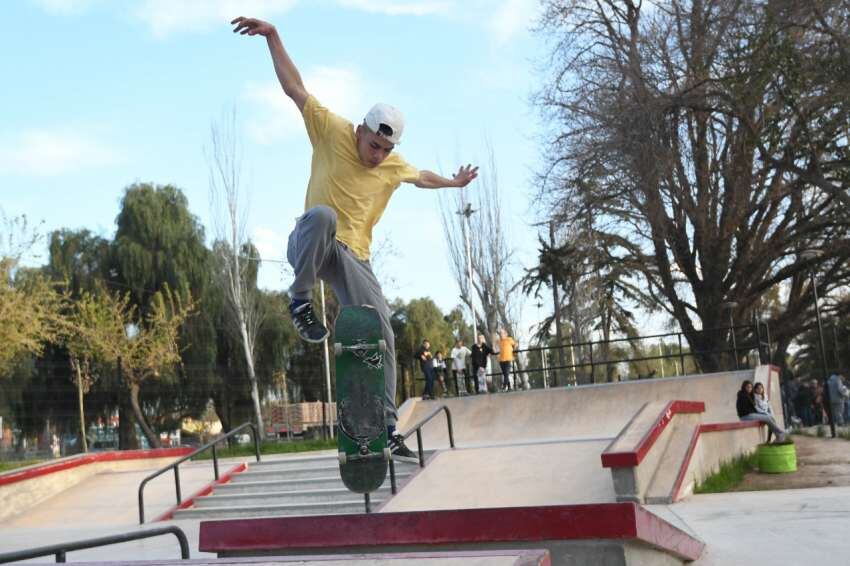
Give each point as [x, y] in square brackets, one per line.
[549, 473]
[582, 412]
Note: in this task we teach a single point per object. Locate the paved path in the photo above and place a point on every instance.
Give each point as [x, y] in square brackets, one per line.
[793, 527]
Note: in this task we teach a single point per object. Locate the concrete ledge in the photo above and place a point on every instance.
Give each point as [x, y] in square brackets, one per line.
[639, 436]
[712, 445]
[626, 526]
[26, 487]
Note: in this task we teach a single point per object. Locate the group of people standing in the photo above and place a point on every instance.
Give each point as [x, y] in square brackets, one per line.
[806, 400]
[468, 366]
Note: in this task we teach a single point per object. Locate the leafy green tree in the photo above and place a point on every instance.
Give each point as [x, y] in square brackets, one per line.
[159, 242]
[29, 309]
[106, 326]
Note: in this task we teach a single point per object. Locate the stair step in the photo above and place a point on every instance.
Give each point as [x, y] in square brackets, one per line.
[294, 485]
[346, 506]
[281, 497]
[314, 470]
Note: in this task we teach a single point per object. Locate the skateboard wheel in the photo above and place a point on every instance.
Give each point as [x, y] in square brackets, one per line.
[337, 348]
[382, 345]
[343, 457]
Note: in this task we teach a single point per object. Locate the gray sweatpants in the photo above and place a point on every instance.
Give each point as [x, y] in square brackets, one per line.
[314, 252]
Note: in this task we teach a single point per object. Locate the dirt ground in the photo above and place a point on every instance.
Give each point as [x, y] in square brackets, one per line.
[821, 462]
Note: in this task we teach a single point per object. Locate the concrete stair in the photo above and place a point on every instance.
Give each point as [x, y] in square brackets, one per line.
[298, 485]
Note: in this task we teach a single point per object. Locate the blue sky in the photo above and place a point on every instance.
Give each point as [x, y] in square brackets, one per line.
[100, 94]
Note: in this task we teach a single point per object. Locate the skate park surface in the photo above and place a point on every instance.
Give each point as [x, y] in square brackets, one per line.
[511, 451]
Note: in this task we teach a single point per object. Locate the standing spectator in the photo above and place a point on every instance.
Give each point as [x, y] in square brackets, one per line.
[838, 394]
[507, 345]
[426, 363]
[818, 406]
[459, 354]
[480, 351]
[746, 407]
[803, 402]
[440, 371]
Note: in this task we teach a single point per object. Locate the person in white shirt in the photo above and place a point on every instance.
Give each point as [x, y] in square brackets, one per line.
[459, 354]
[760, 400]
[440, 371]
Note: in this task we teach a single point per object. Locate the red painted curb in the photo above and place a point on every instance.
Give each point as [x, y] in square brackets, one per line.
[606, 521]
[634, 457]
[713, 427]
[85, 459]
[206, 490]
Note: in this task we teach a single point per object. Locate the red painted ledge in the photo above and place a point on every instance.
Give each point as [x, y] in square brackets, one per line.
[606, 521]
[634, 457]
[206, 490]
[85, 459]
[704, 428]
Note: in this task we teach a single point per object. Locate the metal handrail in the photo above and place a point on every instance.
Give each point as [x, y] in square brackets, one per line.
[208, 445]
[59, 550]
[417, 428]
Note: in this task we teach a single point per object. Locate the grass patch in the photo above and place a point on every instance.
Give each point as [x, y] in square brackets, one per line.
[6, 466]
[269, 448]
[729, 476]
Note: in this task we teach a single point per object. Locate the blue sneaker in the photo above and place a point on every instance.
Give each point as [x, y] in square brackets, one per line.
[306, 322]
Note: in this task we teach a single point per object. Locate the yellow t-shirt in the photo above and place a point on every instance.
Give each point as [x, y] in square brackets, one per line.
[506, 349]
[357, 193]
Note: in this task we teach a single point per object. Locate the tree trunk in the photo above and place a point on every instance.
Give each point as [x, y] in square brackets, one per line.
[153, 438]
[83, 440]
[252, 376]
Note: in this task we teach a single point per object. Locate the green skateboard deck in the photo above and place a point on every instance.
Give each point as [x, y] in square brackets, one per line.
[362, 440]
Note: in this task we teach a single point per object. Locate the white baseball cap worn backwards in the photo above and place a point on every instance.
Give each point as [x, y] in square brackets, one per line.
[386, 121]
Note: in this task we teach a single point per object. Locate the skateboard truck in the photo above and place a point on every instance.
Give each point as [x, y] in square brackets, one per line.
[364, 455]
[381, 346]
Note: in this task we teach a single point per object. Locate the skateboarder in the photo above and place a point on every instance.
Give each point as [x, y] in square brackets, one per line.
[354, 172]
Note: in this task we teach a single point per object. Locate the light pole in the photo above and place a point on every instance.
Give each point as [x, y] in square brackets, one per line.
[812, 256]
[542, 354]
[466, 213]
[731, 305]
[330, 417]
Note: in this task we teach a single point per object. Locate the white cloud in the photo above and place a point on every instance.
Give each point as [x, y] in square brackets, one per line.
[166, 17]
[512, 18]
[398, 7]
[275, 115]
[63, 7]
[48, 153]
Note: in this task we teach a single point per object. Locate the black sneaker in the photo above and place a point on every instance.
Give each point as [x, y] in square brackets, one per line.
[307, 325]
[400, 451]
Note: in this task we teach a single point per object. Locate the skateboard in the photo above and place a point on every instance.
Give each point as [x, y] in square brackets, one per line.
[359, 350]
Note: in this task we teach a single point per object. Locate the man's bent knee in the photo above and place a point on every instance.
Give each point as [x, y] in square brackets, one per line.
[320, 216]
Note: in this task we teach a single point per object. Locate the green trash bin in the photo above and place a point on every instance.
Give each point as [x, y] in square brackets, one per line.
[777, 458]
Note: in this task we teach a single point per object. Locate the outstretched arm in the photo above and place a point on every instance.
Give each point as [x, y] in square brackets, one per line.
[287, 72]
[430, 180]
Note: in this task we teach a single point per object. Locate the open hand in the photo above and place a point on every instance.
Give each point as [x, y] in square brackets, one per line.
[252, 26]
[465, 175]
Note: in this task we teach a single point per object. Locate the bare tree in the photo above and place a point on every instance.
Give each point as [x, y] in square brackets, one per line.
[493, 283]
[706, 144]
[235, 272]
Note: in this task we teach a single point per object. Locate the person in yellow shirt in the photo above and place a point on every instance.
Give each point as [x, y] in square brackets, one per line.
[507, 345]
[353, 173]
